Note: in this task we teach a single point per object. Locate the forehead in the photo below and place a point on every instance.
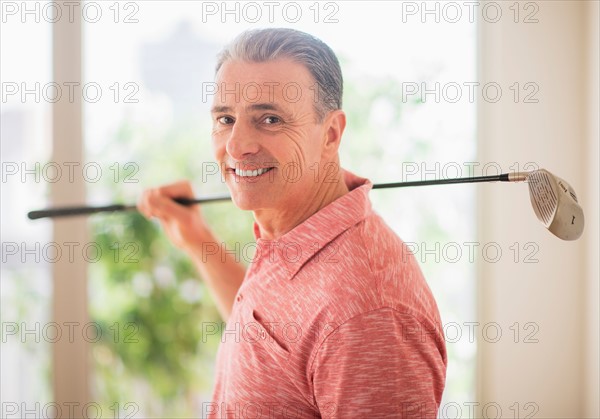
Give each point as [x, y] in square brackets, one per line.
[280, 81]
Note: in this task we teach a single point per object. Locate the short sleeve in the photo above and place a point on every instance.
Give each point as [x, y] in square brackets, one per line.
[381, 364]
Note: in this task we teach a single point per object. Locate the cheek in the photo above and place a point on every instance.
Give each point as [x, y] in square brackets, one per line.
[218, 145]
[311, 146]
[303, 143]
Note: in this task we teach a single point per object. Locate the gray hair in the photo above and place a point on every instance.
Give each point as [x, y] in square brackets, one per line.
[261, 45]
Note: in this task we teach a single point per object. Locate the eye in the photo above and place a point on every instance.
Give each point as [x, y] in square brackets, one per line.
[270, 120]
[225, 120]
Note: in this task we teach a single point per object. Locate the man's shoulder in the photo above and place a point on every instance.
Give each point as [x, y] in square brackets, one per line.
[366, 268]
[372, 253]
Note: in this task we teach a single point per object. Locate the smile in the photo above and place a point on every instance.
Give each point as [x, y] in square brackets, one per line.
[252, 173]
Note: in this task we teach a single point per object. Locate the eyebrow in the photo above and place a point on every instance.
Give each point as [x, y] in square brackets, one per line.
[253, 107]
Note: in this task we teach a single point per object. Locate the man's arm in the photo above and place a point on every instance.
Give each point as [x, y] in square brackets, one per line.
[380, 364]
[187, 229]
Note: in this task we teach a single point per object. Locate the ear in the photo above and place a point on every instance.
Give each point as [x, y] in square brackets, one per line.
[334, 125]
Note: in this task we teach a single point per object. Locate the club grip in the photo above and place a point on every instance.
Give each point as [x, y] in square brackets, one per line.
[65, 212]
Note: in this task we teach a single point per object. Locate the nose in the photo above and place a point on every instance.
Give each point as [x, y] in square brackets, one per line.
[242, 141]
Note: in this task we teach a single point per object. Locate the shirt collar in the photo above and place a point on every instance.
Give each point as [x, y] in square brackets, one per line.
[294, 248]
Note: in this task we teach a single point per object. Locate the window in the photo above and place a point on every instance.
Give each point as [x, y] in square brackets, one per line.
[27, 249]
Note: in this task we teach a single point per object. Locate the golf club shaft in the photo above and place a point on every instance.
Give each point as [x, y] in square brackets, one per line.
[86, 210]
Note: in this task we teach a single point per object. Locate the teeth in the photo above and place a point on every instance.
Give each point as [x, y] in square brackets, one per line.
[250, 173]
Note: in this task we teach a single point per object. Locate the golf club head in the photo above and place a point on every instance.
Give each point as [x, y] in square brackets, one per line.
[555, 204]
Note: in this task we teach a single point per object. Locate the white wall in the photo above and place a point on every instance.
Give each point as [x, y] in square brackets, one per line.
[592, 290]
[554, 296]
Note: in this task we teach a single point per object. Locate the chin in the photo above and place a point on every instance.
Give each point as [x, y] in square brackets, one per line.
[242, 202]
[245, 200]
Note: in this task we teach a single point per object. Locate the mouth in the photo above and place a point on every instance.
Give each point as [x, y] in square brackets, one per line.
[250, 173]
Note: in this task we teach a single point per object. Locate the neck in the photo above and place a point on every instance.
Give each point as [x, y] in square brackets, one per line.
[274, 223]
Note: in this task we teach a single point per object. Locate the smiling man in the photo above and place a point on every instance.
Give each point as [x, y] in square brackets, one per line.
[333, 317]
[265, 120]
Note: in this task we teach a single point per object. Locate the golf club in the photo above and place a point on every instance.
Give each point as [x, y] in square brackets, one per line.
[554, 201]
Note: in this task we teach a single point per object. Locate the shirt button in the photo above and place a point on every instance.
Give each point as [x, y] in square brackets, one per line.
[239, 297]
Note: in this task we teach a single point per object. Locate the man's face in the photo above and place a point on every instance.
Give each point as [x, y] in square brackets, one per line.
[264, 121]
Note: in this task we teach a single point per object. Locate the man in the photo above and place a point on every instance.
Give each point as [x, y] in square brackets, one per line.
[333, 317]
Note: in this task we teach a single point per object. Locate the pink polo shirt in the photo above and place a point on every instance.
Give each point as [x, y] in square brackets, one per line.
[333, 320]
